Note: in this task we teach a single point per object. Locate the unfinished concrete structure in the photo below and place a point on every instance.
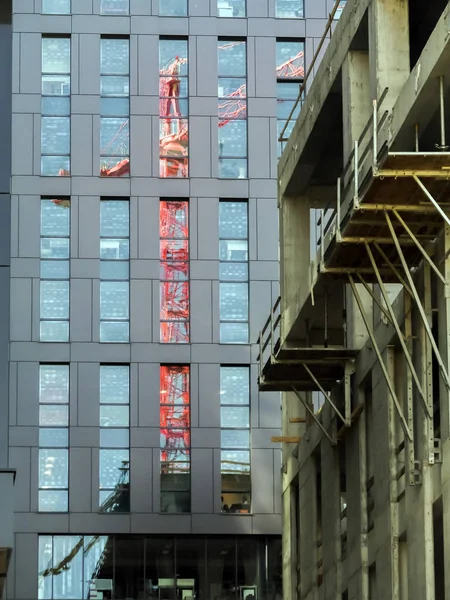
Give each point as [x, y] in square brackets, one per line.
[364, 316]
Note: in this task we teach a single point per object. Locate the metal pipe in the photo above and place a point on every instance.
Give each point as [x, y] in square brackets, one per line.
[322, 250]
[311, 412]
[375, 135]
[356, 172]
[403, 422]
[327, 397]
[338, 208]
[432, 200]
[416, 130]
[442, 111]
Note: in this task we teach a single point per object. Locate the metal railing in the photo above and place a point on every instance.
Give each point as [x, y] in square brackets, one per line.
[269, 335]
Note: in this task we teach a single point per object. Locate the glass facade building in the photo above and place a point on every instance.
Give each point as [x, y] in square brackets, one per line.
[138, 262]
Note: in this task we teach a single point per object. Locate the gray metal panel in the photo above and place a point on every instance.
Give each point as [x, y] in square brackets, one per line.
[81, 145]
[141, 477]
[28, 393]
[140, 310]
[202, 480]
[262, 481]
[20, 459]
[148, 395]
[209, 396]
[201, 312]
[88, 394]
[79, 476]
[81, 310]
[26, 552]
[29, 229]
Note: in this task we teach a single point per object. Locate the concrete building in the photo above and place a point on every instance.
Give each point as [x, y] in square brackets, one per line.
[140, 254]
[359, 344]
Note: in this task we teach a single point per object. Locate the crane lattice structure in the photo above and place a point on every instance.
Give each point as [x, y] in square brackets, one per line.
[175, 418]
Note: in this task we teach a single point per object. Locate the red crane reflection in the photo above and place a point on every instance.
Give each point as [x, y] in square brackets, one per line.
[175, 419]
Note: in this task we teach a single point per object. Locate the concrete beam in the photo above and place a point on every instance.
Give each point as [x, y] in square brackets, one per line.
[320, 88]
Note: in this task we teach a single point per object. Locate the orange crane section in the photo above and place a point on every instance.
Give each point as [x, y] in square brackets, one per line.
[175, 418]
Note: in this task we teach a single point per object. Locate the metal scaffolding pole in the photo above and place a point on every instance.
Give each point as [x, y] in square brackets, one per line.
[311, 412]
[347, 419]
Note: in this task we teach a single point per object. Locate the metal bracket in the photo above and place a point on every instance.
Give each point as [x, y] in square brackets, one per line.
[311, 412]
[417, 473]
[346, 420]
[437, 450]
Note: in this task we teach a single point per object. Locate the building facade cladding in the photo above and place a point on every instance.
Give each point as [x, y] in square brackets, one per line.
[90, 23]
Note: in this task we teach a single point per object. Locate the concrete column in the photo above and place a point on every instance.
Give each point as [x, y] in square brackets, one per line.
[388, 48]
[294, 252]
[290, 542]
[356, 98]
[308, 528]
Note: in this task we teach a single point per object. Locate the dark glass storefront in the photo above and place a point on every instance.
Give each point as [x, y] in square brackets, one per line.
[159, 568]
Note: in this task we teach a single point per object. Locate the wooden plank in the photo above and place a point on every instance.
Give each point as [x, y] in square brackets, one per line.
[289, 439]
[297, 420]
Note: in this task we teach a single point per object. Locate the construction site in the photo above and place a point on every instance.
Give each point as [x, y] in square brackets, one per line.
[359, 341]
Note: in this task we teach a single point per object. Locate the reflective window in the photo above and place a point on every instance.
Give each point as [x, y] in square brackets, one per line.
[55, 270]
[114, 270]
[173, 8]
[289, 9]
[175, 442]
[55, 104]
[340, 8]
[233, 256]
[53, 438]
[114, 100]
[231, 8]
[114, 438]
[114, 7]
[173, 108]
[235, 439]
[174, 271]
[232, 109]
[56, 7]
[290, 55]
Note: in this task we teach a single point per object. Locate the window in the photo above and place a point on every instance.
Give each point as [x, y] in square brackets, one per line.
[235, 439]
[232, 109]
[231, 8]
[173, 8]
[55, 106]
[114, 438]
[175, 435]
[173, 108]
[114, 107]
[290, 74]
[114, 7]
[340, 8]
[174, 271]
[53, 493]
[55, 270]
[289, 9]
[56, 7]
[233, 272]
[114, 271]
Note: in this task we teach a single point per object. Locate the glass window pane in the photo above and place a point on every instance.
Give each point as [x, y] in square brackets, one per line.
[53, 415]
[114, 384]
[233, 220]
[233, 271]
[67, 582]
[175, 502]
[232, 58]
[234, 301]
[114, 218]
[55, 165]
[114, 300]
[56, 7]
[54, 299]
[114, 56]
[56, 85]
[53, 501]
[55, 55]
[54, 269]
[114, 85]
[173, 8]
[114, 468]
[169, 50]
[54, 383]
[45, 558]
[55, 135]
[53, 468]
[129, 567]
[289, 9]
[55, 106]
[221, 566]
[234, 333]
[53, 438]
[232, 168]
[114, 332]
[231, 8]
[235, 438]
[290, 59]
[110, 269]
[114, 107]
[231, 85]
[235, 416]
[233, 139]
[114, 438]
[234, 385]
[114, 137]
[111, 249]
[114, 7]
[54, 331]
[54, 248]
[114, 416]
[116, 501]
[55, 219]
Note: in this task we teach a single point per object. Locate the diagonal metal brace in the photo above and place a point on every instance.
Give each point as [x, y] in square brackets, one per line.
[311, 412]
[346, 420]
[418, 302]
[431, 199]
[399, 333]
[403, 422]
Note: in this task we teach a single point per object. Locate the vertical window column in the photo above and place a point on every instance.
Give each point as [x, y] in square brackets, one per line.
[55, 270]
[173, 108]
[53, 438]
[232, 109]
[114, 271]
[233, 272]
[114, 438]
[114, 107]
[174, 271]
[290, 55]
[175, 434]
[55, 106]
[235, 439]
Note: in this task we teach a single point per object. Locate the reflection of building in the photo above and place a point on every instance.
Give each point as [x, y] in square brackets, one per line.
[141, 254]
[359, 341]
